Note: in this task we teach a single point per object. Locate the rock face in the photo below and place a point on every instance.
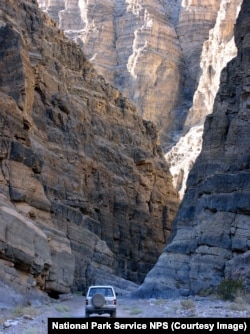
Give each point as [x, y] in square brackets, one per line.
[210, 236]
[166, 56]
[133, 44]
[217, 51]
[149, 50]
[85, 191]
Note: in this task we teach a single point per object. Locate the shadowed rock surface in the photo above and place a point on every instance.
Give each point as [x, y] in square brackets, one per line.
[210, 235]
[164, 55]
[85, 191]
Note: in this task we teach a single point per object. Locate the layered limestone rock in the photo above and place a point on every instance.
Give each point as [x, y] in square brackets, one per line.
[44, 255]
[166, 56]
[210, 236]
[137, 47]
[217, 51]
[133, 44]
[182, 156]
[86, 193]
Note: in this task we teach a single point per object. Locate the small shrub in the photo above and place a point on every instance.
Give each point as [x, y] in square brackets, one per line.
[160, 302]
[135, 311]
[205, 292]
[174, 307]
[238, 307]
[187, 304]
[31, 330]
[239, 304]
[228, 289]
[62, 308]
[78, 293]
[247, 297]
[18, 311]
[126, 308]
[21, 310]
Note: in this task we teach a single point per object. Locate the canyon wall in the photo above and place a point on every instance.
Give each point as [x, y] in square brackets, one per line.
[133, 44]
[85, 191]
[210, 236]
[217, 51]
[165, 56]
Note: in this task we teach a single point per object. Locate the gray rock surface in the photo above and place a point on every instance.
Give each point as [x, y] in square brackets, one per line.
[149, 50]
[166, 56]
[85, 190]
[210, 235]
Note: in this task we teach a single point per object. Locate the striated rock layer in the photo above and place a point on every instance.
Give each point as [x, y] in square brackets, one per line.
[85, 192]
[165, 55]
[210, 236]
[133, 44]
[217, 51]
[149, 50]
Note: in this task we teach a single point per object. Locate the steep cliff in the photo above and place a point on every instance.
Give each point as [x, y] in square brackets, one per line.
[210, 236]
[165, 55]
[133, 44]
[217, 50]
[85, 192]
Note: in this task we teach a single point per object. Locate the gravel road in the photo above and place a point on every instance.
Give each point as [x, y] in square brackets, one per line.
[35, 318]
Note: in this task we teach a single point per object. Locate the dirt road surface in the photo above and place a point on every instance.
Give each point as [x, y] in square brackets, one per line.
[34, 319]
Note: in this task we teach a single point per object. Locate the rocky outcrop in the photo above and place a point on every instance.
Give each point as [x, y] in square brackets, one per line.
[27, 248]
[149, 50]
[166, 56]
[135, 47]
[210, 236]
[217, 51]
[182, 156]
[85, 190]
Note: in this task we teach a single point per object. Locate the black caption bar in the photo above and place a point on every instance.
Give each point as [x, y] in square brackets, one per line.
[78, 325]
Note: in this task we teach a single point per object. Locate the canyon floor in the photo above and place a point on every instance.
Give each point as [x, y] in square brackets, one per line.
[34, 319]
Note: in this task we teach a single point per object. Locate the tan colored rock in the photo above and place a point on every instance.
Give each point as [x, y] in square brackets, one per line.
[23, 243]
[166, 56]
[77, 160]
[40, 258]
[217, 51]
[133, 44]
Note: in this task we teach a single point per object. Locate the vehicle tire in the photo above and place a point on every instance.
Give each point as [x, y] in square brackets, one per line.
[98, 300]
[113, 314]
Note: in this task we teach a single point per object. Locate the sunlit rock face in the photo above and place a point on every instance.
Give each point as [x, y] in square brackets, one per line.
[166, 56]
[210, 236]
[217, 50]
[182, 156]
[133, 44]
[85, 192]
